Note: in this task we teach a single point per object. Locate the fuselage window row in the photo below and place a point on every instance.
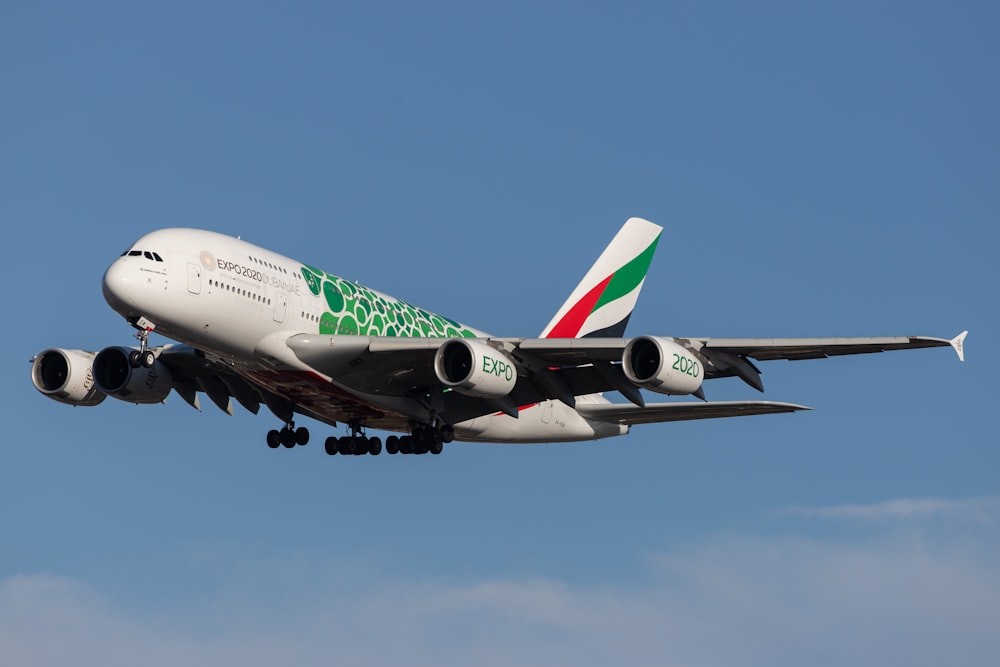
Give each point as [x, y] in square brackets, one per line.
[240, 291]
[269, 265]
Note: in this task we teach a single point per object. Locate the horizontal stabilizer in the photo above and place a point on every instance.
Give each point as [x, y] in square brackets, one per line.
[627, 414]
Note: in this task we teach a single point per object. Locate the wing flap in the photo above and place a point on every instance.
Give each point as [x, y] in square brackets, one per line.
[628, 415]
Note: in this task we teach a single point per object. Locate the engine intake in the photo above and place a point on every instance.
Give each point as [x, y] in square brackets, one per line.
[116, 377]
[474, 369]
[66, 376]
[661, 365]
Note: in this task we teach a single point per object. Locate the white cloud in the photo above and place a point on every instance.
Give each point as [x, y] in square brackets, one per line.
[983, 510]
[722, 601]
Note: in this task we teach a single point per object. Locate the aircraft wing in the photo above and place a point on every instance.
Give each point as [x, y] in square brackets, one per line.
[653, 413]
[582, 350]
[767, 349]
[727, 357]
[564, 368]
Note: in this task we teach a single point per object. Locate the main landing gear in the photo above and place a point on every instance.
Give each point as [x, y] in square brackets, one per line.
[355, 444]
[288, 436]
[425, 439]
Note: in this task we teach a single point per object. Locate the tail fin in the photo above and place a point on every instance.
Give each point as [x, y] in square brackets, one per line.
[603, 301]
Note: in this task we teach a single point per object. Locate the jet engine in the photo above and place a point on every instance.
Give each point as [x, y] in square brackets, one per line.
[474, 369]
[116, 377]
[661, 365]
[66, 376]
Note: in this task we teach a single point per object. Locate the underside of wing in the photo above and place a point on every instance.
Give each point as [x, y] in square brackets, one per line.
[671, 412]
[192, 372]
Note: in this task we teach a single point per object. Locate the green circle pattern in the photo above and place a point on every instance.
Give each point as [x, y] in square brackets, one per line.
[356, 310]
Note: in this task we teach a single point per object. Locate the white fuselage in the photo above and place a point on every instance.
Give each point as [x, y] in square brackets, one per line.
[239, 303]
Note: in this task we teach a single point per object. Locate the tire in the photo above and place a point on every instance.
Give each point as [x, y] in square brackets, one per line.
[330, 446]
[273, 439]
[287, 437]
[374, 446]
[302, 436]
[392, 445]
[134, 359]
[147, 359]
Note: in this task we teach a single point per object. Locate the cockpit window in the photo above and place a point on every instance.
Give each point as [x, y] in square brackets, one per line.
[153, 256]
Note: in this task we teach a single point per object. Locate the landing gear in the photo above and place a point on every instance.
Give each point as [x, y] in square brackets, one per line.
[288, 436]
[356, 444]
[143, 357]
[424, 439]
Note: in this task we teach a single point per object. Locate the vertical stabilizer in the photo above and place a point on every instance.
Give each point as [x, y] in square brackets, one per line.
[603, 301]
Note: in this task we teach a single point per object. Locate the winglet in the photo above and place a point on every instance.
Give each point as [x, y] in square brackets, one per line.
[958, 343]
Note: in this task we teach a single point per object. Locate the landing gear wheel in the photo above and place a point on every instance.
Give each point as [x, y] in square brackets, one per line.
[392, 445]
[273, 439]
[436, 447]
[135, 358]
[287, 437]
[302, 436]
[374, 446]
[147, 359]
[330, 446]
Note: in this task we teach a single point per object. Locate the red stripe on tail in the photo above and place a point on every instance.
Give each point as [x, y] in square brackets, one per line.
[571, 323]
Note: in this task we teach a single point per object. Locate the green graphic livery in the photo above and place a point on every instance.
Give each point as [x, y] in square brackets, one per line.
[354, 310]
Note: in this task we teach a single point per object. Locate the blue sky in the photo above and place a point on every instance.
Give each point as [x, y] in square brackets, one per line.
[819, 170]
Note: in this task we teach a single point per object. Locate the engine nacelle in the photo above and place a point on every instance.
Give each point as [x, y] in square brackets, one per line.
[661, 365]
[66, 376]
[474, 369]
[116, 377]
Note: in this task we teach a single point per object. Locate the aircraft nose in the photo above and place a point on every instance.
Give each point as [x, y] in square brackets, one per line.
[119, 286]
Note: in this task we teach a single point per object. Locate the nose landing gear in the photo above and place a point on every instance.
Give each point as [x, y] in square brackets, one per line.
[143, 357]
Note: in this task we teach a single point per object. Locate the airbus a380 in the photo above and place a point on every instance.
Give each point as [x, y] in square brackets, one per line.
[264, 329]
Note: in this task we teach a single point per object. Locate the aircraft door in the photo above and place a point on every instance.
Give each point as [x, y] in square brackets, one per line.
[194, 279]
[280, 306]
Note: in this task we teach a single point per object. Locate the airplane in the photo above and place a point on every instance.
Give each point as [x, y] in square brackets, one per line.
[252, 325]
